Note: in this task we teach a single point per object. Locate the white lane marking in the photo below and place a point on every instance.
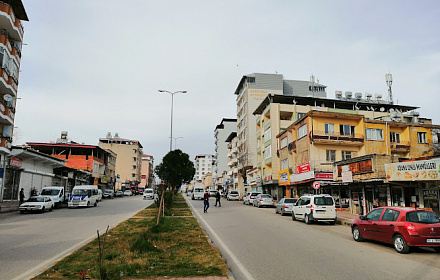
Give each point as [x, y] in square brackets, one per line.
[229, 252]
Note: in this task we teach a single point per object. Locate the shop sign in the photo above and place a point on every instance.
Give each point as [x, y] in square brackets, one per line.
[430, 194]
[283, 177]
[324, 176]
[268, 178]
[15, 161]
[420, 170]
[303, 168]
[347, 177]
[359, 167]
[104, 179]
[302, 177]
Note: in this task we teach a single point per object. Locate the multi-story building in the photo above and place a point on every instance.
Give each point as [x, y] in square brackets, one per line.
[341, 147]
[232, 178]
[147, 177]
[128, 161]
[251, 91]
[221, 133]
[12, 13]
[203, 164]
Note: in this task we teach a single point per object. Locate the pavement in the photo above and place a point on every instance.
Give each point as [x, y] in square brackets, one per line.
[8, 206]
[345, 217]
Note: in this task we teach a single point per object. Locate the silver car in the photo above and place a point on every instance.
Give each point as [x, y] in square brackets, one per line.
[264, 200]
[249, 198]
[284, 206]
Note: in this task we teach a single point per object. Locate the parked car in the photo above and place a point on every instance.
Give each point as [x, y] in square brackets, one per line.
[212, 193]
[108, 194]
[249, 198]
[56, 194]
[37, 204]
[128, 192]
[198, 192]
[188, 192]
[315, 208]
[119, 193]
[100, 195]
[264, 200]
[403, 227]
[149, 194]
[233, 195]
[284, 206]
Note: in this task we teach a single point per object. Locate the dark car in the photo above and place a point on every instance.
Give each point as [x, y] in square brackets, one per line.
[401, 226]
[119, 193]
[108, 194]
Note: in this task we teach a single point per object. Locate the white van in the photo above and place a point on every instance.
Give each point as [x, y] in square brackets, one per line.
[84, 195]
[56, 194]
[315, 208]
[198, 191]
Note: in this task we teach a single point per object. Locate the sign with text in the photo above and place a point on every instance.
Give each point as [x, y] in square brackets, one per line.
[419, 170]
[15, 161]
[283, 177]
[303, 168]
[347, 177]
[324, 176]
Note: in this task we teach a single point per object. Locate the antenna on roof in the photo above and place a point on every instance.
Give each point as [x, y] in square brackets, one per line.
[389, 81]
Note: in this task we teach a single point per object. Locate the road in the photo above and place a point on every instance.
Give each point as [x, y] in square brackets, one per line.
[29, 243]
[259, 244]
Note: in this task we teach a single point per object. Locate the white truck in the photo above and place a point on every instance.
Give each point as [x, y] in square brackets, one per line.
[56, 194]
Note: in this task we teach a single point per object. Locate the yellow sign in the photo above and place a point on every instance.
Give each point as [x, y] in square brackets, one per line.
[283, 177]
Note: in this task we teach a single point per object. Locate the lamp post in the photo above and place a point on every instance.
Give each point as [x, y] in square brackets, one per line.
[172, 101]
[389, 80]
[175, 141]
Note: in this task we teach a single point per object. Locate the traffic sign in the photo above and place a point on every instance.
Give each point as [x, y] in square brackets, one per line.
[316, 185]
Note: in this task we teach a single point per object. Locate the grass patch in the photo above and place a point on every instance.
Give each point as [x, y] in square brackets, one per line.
[139, 248]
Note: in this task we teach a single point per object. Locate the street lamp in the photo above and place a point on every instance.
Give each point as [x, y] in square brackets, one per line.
[175, 141]
[172, 101]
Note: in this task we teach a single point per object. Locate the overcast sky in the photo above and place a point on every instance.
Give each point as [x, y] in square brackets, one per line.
[92, 67]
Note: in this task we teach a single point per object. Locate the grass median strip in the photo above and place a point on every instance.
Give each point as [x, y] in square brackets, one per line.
[138, 248]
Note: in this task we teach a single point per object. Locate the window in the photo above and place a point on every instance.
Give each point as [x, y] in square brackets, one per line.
[390, 215]
[267, 134]
[302, 131]
[394, 137]
[374, 134]
[348, 155]
[329, 129]
[283, 142]
[284, 164]
[347, 130]
[250, 80]
[133, 167]
[421, 137]
[133, 175]
[330, 155]
[374, 215]
[134, 151]
[134, 159]
[300, 115]
[267, 152]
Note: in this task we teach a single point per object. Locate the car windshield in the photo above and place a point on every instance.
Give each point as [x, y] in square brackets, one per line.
[149, 191]
[233, 192]
[422, 217]
[50, 192]
[323, 200]
[198, 190]
[107, 191]
[255, 193]
[266, 196]
[290, 200]
[81, 192]
[36, 199]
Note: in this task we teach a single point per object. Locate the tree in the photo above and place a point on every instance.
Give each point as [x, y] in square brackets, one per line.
[175, 169]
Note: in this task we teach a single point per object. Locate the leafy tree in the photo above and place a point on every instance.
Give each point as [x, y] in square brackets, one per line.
[175, 169]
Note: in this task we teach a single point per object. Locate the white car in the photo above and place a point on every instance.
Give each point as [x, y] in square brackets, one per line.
[249, 198]
[37, 203]
[128, 193]
[148, 194]
[233, 195]
[318, 208]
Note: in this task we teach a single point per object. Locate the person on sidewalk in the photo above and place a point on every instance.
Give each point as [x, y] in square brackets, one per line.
[21, 196]
[217, 199]
[206, 201]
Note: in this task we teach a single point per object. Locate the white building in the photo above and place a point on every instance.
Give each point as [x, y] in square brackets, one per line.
[221, 133]
[203, 165]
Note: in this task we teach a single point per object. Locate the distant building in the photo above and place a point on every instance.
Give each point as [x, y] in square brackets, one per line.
[147, 176]
[128, 161]
[203, 164]
[221, 133]
[12, 13]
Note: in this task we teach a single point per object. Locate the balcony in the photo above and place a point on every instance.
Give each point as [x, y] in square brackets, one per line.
[7, 84]
[321, 137]
[5, 143]
[12, 24]
[7, 112]
[291, 147]
[402, 147]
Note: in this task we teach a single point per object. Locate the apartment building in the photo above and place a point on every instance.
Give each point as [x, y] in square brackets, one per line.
[251, 91]
[221, 133]
[342, 146]
[12, 14]
[128, 161]
[147, 177]
[232, 178]
[203, 164]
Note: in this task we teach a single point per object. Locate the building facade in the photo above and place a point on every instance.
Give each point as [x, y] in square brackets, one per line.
[128, 161]
[147, 177]
[203, 164]
[12, 14]
[221, 133]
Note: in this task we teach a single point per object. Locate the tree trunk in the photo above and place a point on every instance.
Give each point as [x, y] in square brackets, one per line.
[160, 206]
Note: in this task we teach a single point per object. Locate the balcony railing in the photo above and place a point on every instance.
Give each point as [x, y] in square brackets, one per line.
[403, 147]
[5, 142]
[322, 136]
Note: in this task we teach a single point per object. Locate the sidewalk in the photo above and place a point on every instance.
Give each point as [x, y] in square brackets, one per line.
[345, 218]
[8, 206]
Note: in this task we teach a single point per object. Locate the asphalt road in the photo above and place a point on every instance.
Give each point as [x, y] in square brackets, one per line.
[259, 244]
[29, 243]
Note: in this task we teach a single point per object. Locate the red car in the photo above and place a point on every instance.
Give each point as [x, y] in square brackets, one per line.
[402, 227]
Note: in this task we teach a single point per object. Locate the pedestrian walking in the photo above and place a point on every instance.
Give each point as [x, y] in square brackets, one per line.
[21, 196]
[217, 199]
[206, 201]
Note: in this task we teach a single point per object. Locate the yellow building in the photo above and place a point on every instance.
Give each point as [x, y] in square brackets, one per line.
[128, 160]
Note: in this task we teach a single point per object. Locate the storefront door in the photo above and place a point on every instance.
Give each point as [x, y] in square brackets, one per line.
[397, 196]
[431, 200]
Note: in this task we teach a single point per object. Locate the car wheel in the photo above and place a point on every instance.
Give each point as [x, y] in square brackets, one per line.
[258, 205]
[307, 219]
[332, 223]
[400, 244]
[357, 236]
[276, 210]
[42, 210]
[283, 213]
[437, 249]
[88, 203]
[22, 212]
[293, 216]
[95, 204]
[50, 209]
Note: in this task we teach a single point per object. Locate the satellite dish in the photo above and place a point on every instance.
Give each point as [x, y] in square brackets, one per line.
[382, 109]
[391, 110]
[7, 97]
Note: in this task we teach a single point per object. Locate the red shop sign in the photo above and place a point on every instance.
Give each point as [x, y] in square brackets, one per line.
[303, 168]
[15, 161]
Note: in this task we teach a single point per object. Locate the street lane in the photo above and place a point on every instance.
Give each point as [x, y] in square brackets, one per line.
[29, 243]
[269, 246]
